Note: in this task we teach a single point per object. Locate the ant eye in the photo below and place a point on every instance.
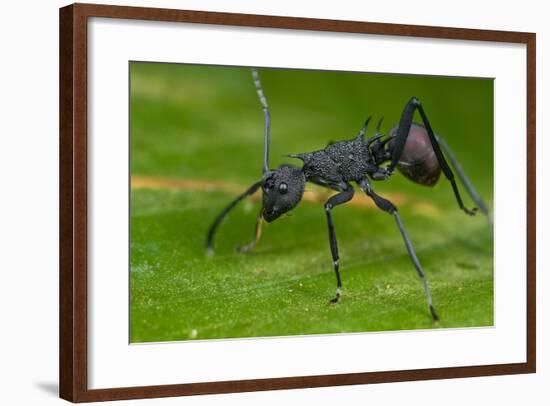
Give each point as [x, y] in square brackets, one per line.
[283, 188]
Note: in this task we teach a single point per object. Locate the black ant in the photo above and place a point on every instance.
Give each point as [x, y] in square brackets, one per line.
[412, 148]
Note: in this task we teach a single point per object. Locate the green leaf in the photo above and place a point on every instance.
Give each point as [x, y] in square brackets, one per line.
[196, 142]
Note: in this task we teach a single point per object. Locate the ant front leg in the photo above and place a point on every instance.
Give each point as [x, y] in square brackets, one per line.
[389, 207]
[257, 235]
[344, 196]
[214, 227]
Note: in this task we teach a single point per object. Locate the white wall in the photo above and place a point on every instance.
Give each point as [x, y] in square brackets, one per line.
[28, 206]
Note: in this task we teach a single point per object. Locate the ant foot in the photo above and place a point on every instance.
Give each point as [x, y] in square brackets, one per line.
[470, 212]
[336, 298]
[245, 248]
[434, 314]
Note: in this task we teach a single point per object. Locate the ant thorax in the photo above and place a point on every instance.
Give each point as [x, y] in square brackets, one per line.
[342, 161]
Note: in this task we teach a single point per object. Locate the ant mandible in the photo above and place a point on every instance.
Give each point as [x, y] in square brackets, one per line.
[414, 149]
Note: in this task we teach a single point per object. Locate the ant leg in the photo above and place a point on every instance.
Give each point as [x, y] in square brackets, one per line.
[401, 138]
[464, 179]
[342, 197]
[257, 235]
[388, 207]
[212, 230]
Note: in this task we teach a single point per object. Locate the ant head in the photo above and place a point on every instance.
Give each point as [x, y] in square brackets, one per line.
[282, 190]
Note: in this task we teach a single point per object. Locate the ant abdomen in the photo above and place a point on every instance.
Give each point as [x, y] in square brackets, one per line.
[418, 162]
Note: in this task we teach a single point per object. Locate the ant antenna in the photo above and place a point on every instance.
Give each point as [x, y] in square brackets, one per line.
[267, 117]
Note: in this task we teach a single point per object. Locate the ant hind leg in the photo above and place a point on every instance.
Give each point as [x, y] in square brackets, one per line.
[401, 138]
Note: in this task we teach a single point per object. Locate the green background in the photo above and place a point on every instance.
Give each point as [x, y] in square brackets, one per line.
[204, 124]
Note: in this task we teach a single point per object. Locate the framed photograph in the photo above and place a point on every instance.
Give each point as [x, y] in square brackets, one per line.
[255, 202]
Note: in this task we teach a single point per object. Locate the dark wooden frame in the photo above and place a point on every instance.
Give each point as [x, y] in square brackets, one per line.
[73, 362]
